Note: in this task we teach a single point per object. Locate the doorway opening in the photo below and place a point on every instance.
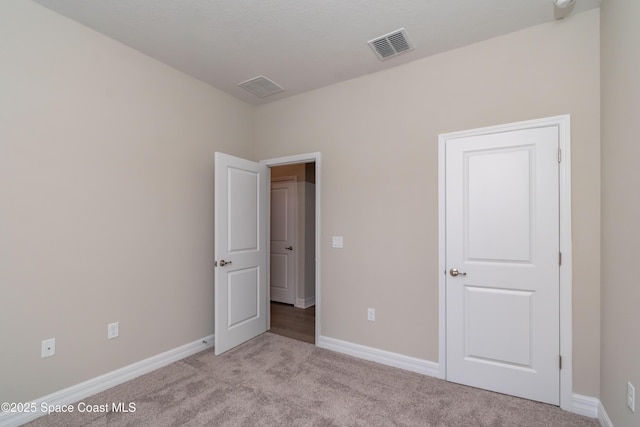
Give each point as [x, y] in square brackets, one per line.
[294, 227]
[292, 251]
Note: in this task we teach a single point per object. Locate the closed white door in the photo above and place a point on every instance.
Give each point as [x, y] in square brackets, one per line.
[283, 241]
[241, 189]
[502, 261]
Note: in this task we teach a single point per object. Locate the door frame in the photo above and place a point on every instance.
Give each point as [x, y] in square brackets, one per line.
[563, 124]
[288, 160]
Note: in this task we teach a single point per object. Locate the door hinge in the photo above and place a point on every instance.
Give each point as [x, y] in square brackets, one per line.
[559, 155]
[560, 361]
[559, 258]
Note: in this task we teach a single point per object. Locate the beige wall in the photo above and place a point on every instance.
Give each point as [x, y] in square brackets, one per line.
[106, 190]
[378, 138]
[106, 201]
[620, 208]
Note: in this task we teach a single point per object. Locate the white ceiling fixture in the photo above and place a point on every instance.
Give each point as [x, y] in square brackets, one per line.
[261, 86]
[303, 44]
[391, 44]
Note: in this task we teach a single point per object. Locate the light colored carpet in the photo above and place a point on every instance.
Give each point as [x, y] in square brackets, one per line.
[276, 381]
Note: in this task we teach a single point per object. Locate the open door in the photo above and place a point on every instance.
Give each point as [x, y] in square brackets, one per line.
[241, 191]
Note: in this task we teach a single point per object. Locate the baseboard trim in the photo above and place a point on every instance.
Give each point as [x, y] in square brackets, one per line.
[590, 407]
[103, 382]
[383, 357]
[305, 302]
[604, 419]
[585, 405]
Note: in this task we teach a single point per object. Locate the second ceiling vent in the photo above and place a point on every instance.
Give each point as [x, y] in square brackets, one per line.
[391, 44]
[261, 86]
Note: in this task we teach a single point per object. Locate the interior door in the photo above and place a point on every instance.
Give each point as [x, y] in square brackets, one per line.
[241, 189]
[502, 256]
[283, 241]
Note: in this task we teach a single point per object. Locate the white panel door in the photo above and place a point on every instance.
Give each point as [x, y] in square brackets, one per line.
[241, 189]
[502, 237]
[283, 241]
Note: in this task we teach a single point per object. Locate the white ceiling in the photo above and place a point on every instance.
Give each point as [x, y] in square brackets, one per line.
[299, 44]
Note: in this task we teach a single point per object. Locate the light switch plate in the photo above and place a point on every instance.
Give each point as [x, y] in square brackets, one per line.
[337, 242]
[113, 330]
[371, 314]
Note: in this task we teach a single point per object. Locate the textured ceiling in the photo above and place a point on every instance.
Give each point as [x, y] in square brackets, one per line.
[299, 44]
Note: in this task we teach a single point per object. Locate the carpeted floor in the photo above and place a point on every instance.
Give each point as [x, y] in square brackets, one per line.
[276, 381]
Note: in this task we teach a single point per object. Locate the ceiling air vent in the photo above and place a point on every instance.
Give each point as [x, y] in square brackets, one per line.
[391, 44]
[261, 86]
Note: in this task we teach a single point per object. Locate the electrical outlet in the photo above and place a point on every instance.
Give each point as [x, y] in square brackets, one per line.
[631, 397]
[48, 347]
[112, 330]
[371, 314]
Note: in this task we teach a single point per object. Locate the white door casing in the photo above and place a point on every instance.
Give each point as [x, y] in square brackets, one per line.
[283, 250]
[241, 191]
[317, 159]
[501, 221]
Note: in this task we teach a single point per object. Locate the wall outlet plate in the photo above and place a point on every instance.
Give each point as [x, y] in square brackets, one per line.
[631, 397]
[48, 347]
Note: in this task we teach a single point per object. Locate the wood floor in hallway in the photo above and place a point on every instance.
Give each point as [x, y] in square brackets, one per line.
[293, 322]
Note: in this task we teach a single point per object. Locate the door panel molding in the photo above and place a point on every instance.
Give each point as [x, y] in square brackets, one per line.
[285, 246]
[564, 137]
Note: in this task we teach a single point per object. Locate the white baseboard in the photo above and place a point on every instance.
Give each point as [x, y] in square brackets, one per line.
[604, 419]
[305, 302]
[585, 405]
[103, 382]
[383, 357]
[591, 407]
